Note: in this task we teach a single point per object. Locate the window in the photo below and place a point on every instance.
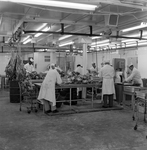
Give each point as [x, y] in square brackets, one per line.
[47, 58]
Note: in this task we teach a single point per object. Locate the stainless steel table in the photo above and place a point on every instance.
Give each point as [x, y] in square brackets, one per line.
[70, 86]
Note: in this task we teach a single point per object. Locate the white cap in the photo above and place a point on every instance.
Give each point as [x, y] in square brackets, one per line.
[31, 60]
[107, 61]
[52, 65]
[131, 64]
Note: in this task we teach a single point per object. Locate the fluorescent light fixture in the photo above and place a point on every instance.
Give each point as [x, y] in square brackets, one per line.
[99, 42]
[142, 25]
[129, 45]
[64, 37]
[25, 38]
[42, 26]
[27, 41]
[130, 40]
[60, 4]
[64, 44]
[67, 50]
[96, 37]
[45, 29]
[100, 45]
[142, 43]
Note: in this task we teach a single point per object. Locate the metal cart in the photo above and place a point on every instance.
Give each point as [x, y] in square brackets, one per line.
[28, 99]
[140, 106]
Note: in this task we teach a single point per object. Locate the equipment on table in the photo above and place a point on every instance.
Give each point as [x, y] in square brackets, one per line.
[129, 90]
[29, 98]
[140, 106]
[119, 67]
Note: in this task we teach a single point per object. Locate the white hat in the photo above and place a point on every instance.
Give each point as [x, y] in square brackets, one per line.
[31, 59]
[107, 61]
[52, 65]
[131, 64]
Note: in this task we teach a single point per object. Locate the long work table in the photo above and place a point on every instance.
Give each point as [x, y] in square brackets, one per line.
[70, 86]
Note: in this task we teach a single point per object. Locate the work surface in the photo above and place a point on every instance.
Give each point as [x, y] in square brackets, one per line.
[105, 130]
[70, 85]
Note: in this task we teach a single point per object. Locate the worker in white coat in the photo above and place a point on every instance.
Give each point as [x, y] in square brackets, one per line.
[79, 69]
[135, 76]
[29, 66]
[94, 69]
[107, 74]
[47, 90]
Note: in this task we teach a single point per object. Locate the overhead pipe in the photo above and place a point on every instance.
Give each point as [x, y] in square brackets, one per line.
[82, 34]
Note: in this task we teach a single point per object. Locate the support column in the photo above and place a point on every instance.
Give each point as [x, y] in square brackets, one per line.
[84, 66]
[85, 58]
[85, 41]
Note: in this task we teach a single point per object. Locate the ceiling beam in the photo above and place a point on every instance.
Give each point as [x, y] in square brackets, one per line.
[111, 2]
[58, 21]
[83, 34]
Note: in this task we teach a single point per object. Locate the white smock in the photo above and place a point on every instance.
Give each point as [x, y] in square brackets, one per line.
[107, 73]
[79, 70]
[135, 77]
[29, 68]
[47, 90]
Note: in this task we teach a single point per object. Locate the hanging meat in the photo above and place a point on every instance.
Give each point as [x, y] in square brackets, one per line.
[10, 68]
[20, 70]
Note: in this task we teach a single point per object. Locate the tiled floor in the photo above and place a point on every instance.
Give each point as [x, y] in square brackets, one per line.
[102, 130]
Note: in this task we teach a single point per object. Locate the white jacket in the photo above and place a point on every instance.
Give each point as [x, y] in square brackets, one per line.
[47, 90]
[29, 68]
[135, 77]
[107, 73]
[79, 70]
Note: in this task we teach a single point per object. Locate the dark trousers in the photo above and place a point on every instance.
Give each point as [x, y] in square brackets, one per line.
[105, 98]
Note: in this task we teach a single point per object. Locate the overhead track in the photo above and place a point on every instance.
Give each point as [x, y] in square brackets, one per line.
[82, 34]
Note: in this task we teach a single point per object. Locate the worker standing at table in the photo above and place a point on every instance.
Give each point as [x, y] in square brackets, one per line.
[94, 70]
[107, 74]
[135, 76]
[47, 90]
[79, 69]
[29, 66]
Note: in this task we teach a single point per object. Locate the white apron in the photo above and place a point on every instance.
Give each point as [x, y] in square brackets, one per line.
[108, 86]
[107, 74]
[47, 90]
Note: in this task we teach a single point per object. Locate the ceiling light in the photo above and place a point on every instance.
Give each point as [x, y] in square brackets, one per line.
[64, 44]
[45, 29]
[96, 37]
[100, 45]
[142, 43]
[142, 25]
[64, 37]
[25, 38]
[27, 41]
[60, 4]
[42, 26]
[99, 42]
[130, 40]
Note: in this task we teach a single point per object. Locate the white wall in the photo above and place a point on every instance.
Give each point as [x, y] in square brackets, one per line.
[4, 60]
[39, 60]
[128, 54]
[25, 56]
[142, 61]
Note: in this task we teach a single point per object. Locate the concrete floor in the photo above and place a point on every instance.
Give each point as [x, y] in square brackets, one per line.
[103, 130]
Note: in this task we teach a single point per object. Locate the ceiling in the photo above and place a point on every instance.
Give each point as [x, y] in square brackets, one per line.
[64, 25]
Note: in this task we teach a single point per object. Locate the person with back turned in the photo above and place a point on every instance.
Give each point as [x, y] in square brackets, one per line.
[107, 74]
[47, 90]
